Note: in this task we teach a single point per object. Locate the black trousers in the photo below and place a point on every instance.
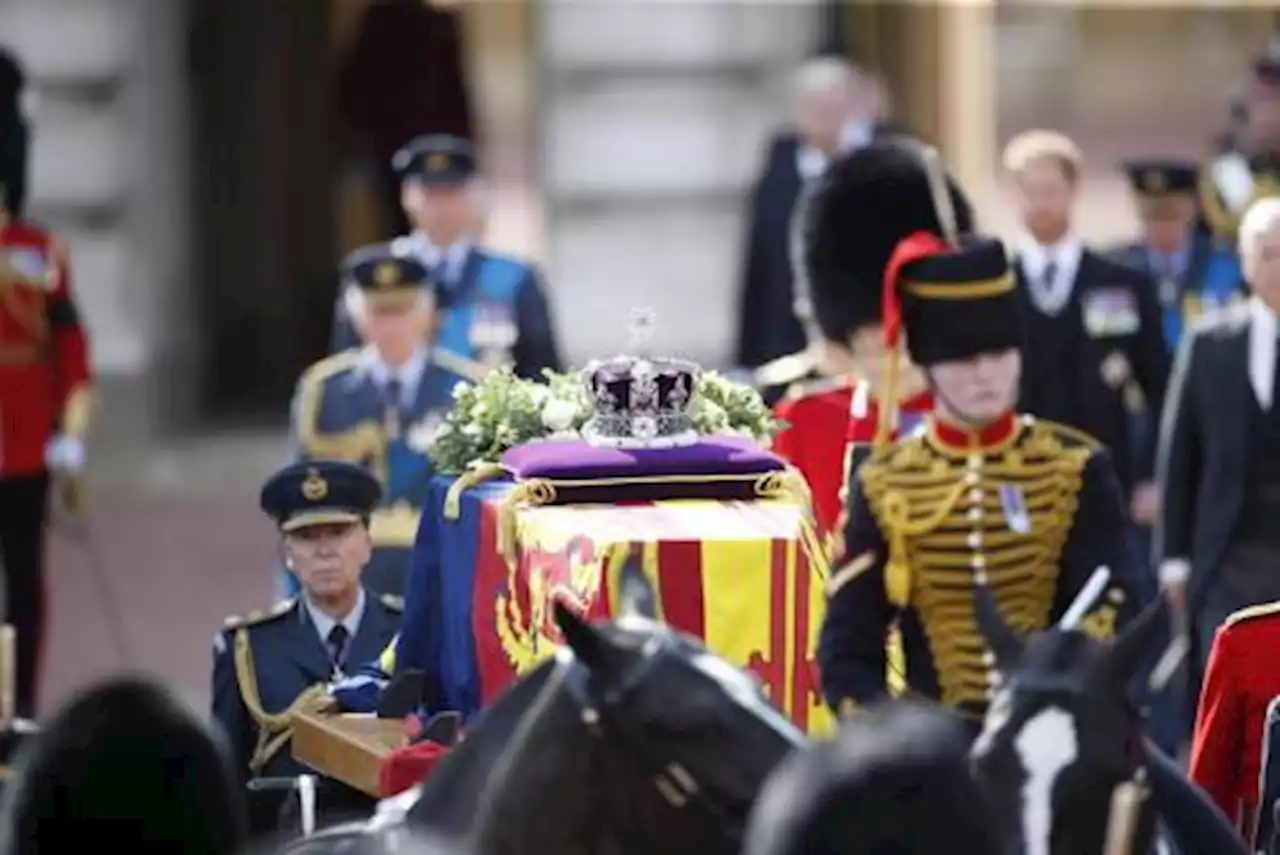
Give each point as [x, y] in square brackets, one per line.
[24, 509]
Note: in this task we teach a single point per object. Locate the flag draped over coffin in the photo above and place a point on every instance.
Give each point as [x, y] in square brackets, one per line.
[745, 576]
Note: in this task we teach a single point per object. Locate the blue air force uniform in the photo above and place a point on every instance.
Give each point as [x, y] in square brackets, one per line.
[498, 305]
[1199, 277]
[268, 664]
[352, 406]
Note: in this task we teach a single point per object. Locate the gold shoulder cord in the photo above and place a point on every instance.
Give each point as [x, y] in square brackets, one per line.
[895, 518]
[364, 440]
[273, 730]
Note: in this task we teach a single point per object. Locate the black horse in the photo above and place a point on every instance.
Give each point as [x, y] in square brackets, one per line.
[634, 738]
[1063, 756]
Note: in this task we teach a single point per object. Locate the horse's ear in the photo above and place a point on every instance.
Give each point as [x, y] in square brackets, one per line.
[999, 636]
[583, 639]
[1126, 653]
[637, 594]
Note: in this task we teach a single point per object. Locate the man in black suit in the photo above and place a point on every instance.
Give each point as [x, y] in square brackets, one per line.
[1219, 533]
[836, 108]
[1095, 352]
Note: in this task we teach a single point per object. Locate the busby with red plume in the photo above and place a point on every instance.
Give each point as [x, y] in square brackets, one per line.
[953, 302]
[14, 134]
[867, 201]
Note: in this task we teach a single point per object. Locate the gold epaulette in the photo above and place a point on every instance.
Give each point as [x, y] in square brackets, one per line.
[392, 602]
[259, 616]
[1064, 435]
[1251, 612]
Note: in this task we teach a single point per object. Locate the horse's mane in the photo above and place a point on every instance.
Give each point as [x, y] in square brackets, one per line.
[453, 790]
[1194, 821]
[538, 799]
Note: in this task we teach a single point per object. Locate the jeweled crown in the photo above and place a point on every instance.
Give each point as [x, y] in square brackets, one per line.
[640, 402]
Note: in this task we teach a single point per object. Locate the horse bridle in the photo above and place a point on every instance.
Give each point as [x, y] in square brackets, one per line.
[678, 787]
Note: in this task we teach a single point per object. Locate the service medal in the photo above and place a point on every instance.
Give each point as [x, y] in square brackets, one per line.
[1014, 505]
[1116, 370]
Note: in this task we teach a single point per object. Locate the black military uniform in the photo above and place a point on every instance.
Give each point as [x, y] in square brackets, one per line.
[1026, 507]
[1099, 360]
[270, 665]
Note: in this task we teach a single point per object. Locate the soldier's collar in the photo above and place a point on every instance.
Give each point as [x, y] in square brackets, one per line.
[957, 440]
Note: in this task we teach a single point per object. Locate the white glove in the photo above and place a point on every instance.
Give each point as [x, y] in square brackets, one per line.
[65, 454]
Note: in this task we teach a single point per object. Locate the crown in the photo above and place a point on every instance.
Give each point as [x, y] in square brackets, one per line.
[640, 402]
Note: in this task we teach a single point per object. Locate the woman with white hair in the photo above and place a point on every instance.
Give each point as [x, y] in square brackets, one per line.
[1219, 460]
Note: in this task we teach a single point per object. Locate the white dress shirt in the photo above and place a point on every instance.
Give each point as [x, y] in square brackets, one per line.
[1051, 297]
[811, 162]
[409, 374]
[452, 257]
[324, 623]
[1262, 351]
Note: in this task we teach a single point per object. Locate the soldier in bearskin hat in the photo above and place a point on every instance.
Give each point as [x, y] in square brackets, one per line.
[981, 495]
[848, 227]
[45, 387]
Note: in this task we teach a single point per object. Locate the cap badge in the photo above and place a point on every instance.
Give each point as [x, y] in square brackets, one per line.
[314, 486]
[1155, 181]
[387, 274]
[438, 162]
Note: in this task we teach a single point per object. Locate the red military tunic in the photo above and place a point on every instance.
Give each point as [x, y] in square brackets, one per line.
[817, 414]
[1242, 677]
[829, 421]
[44, 368]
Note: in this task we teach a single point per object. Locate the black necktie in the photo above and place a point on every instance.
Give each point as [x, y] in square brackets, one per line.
[1049, 278]
[438, 273]
[393, 393]
[1273, 413]
[337, 643]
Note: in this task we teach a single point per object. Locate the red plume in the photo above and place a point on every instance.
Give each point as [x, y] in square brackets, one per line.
[911, 248]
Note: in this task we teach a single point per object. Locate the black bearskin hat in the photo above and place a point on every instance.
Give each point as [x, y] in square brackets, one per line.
[956, 302]
[14, 135]
[896, 781]
[125, 761]
[866, 202]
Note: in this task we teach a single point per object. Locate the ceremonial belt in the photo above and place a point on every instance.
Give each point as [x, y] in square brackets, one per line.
[273, 730]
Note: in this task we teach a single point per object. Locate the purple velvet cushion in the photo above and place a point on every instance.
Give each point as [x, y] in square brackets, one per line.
[712, 468]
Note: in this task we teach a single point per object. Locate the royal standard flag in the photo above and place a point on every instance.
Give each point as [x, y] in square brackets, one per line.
[745, 576]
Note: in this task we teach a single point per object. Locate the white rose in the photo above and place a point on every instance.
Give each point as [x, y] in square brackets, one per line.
[538, 394]
[558, 415]
[459, 389]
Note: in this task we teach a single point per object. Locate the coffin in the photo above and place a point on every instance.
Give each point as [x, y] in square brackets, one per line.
[348, 747]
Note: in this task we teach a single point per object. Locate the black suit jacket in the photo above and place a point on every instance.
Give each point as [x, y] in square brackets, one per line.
[767, 324]
[1103, 404]
[1204, 437]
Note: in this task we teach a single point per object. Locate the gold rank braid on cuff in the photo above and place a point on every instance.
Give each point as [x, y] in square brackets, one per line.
[274, 730]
